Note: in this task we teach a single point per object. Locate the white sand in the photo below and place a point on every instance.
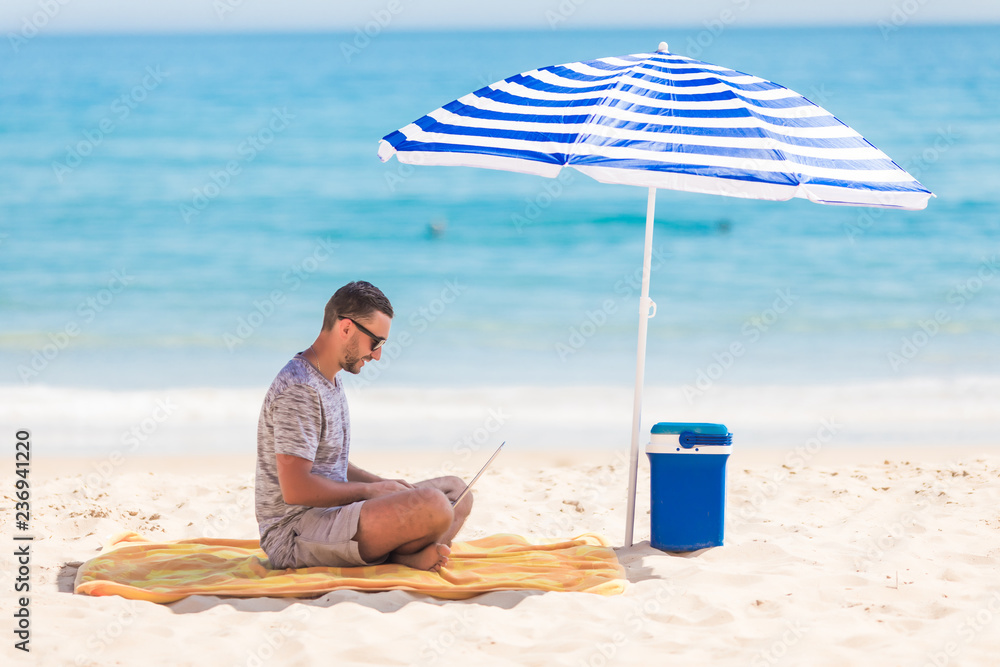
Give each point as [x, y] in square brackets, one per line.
[834, 559]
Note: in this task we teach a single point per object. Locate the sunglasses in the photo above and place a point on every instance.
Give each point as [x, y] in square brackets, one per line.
[377, 341]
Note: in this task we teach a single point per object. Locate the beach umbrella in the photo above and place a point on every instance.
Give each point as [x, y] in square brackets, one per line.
[659, 120]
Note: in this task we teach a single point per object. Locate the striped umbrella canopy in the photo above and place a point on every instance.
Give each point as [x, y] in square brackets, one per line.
[659, 120]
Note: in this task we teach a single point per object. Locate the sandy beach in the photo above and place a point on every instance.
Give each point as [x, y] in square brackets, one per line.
[885, 557]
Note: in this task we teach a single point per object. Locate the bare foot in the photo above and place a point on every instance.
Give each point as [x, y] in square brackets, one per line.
[431, 557]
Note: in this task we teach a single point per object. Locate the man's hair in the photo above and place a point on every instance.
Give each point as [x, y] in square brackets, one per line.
[356, 300]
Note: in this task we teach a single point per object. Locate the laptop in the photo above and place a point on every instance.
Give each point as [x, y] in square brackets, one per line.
[478, 474]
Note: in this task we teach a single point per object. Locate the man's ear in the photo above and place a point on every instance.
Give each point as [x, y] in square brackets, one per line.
[343, 327]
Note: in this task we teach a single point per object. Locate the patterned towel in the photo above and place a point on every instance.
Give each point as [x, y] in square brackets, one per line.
[138, 569]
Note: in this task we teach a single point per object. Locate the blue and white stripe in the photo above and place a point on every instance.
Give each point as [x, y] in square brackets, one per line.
[665, 121]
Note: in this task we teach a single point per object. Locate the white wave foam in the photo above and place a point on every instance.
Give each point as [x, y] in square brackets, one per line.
[64, 421]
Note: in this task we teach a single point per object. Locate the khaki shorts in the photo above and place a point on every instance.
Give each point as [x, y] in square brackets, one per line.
[324, 537]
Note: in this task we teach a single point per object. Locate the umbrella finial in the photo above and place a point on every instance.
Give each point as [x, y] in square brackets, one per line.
[662, 48]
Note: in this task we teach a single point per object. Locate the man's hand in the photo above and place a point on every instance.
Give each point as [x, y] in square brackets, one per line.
[385, 487]
[451, 487]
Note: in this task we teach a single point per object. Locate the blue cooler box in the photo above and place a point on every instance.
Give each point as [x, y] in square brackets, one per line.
[687, 485]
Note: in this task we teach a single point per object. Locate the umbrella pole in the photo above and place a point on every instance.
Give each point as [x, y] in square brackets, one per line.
[647, 309]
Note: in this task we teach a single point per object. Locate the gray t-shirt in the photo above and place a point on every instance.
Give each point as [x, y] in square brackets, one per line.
[303, 415]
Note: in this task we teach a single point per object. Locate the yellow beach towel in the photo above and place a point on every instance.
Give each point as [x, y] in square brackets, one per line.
[139, 569]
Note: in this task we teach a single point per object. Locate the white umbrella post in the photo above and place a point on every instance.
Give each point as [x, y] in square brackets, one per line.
[647, 309]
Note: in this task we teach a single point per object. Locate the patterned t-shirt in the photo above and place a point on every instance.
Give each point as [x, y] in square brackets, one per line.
[303, 415]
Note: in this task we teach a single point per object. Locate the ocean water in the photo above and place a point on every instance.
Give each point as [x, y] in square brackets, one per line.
[176, 210]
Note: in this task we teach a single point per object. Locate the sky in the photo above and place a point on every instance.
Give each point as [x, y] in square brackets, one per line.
[125, 16]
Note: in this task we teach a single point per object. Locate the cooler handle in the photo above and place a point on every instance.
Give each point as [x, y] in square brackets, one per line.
[691, 439]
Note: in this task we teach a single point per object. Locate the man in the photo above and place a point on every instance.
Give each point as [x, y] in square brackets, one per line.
[314, 507]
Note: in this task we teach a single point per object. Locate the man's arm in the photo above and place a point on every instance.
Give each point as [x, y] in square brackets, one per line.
[299, 486]
[356, 474]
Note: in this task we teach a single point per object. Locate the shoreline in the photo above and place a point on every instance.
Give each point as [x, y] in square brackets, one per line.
[449, 424]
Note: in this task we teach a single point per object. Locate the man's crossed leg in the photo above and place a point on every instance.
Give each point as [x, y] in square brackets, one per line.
[414, 527]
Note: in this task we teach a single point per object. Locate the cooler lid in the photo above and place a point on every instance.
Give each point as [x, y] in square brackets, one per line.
[681, 427]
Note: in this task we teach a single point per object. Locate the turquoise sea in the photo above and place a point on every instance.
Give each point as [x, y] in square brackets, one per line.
[176, 210]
